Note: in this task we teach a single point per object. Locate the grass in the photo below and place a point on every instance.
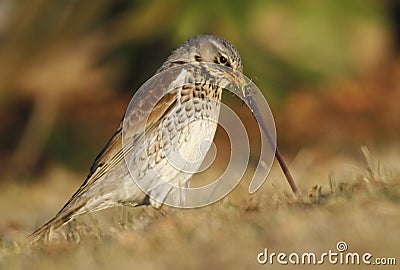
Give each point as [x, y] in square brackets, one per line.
[361, 209]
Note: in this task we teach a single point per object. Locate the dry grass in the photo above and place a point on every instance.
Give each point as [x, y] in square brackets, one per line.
[359, 206]
[79, 57]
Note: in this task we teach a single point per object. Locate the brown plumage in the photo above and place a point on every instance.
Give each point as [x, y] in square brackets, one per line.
[109, 182]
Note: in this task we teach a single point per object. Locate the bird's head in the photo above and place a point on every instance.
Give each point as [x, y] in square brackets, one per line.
[205, 48]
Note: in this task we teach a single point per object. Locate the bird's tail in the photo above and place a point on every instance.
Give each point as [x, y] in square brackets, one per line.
[45, 232]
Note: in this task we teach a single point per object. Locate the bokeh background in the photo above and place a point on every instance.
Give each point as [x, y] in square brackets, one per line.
[330, 71]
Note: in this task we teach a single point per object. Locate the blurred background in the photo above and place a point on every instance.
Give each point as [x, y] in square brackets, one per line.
[329, 69]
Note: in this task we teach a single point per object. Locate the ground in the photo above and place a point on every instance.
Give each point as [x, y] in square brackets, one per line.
[354, 200]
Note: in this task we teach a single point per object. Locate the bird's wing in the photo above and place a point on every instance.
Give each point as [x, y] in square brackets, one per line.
[141, 118]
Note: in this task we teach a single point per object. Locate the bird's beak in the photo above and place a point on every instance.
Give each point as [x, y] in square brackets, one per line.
[238, 81]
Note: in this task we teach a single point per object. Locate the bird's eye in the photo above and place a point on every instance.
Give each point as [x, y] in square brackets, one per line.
[197, 58]
[223, 60]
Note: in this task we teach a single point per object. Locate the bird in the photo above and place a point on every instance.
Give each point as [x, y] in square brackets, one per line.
[181, 118]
